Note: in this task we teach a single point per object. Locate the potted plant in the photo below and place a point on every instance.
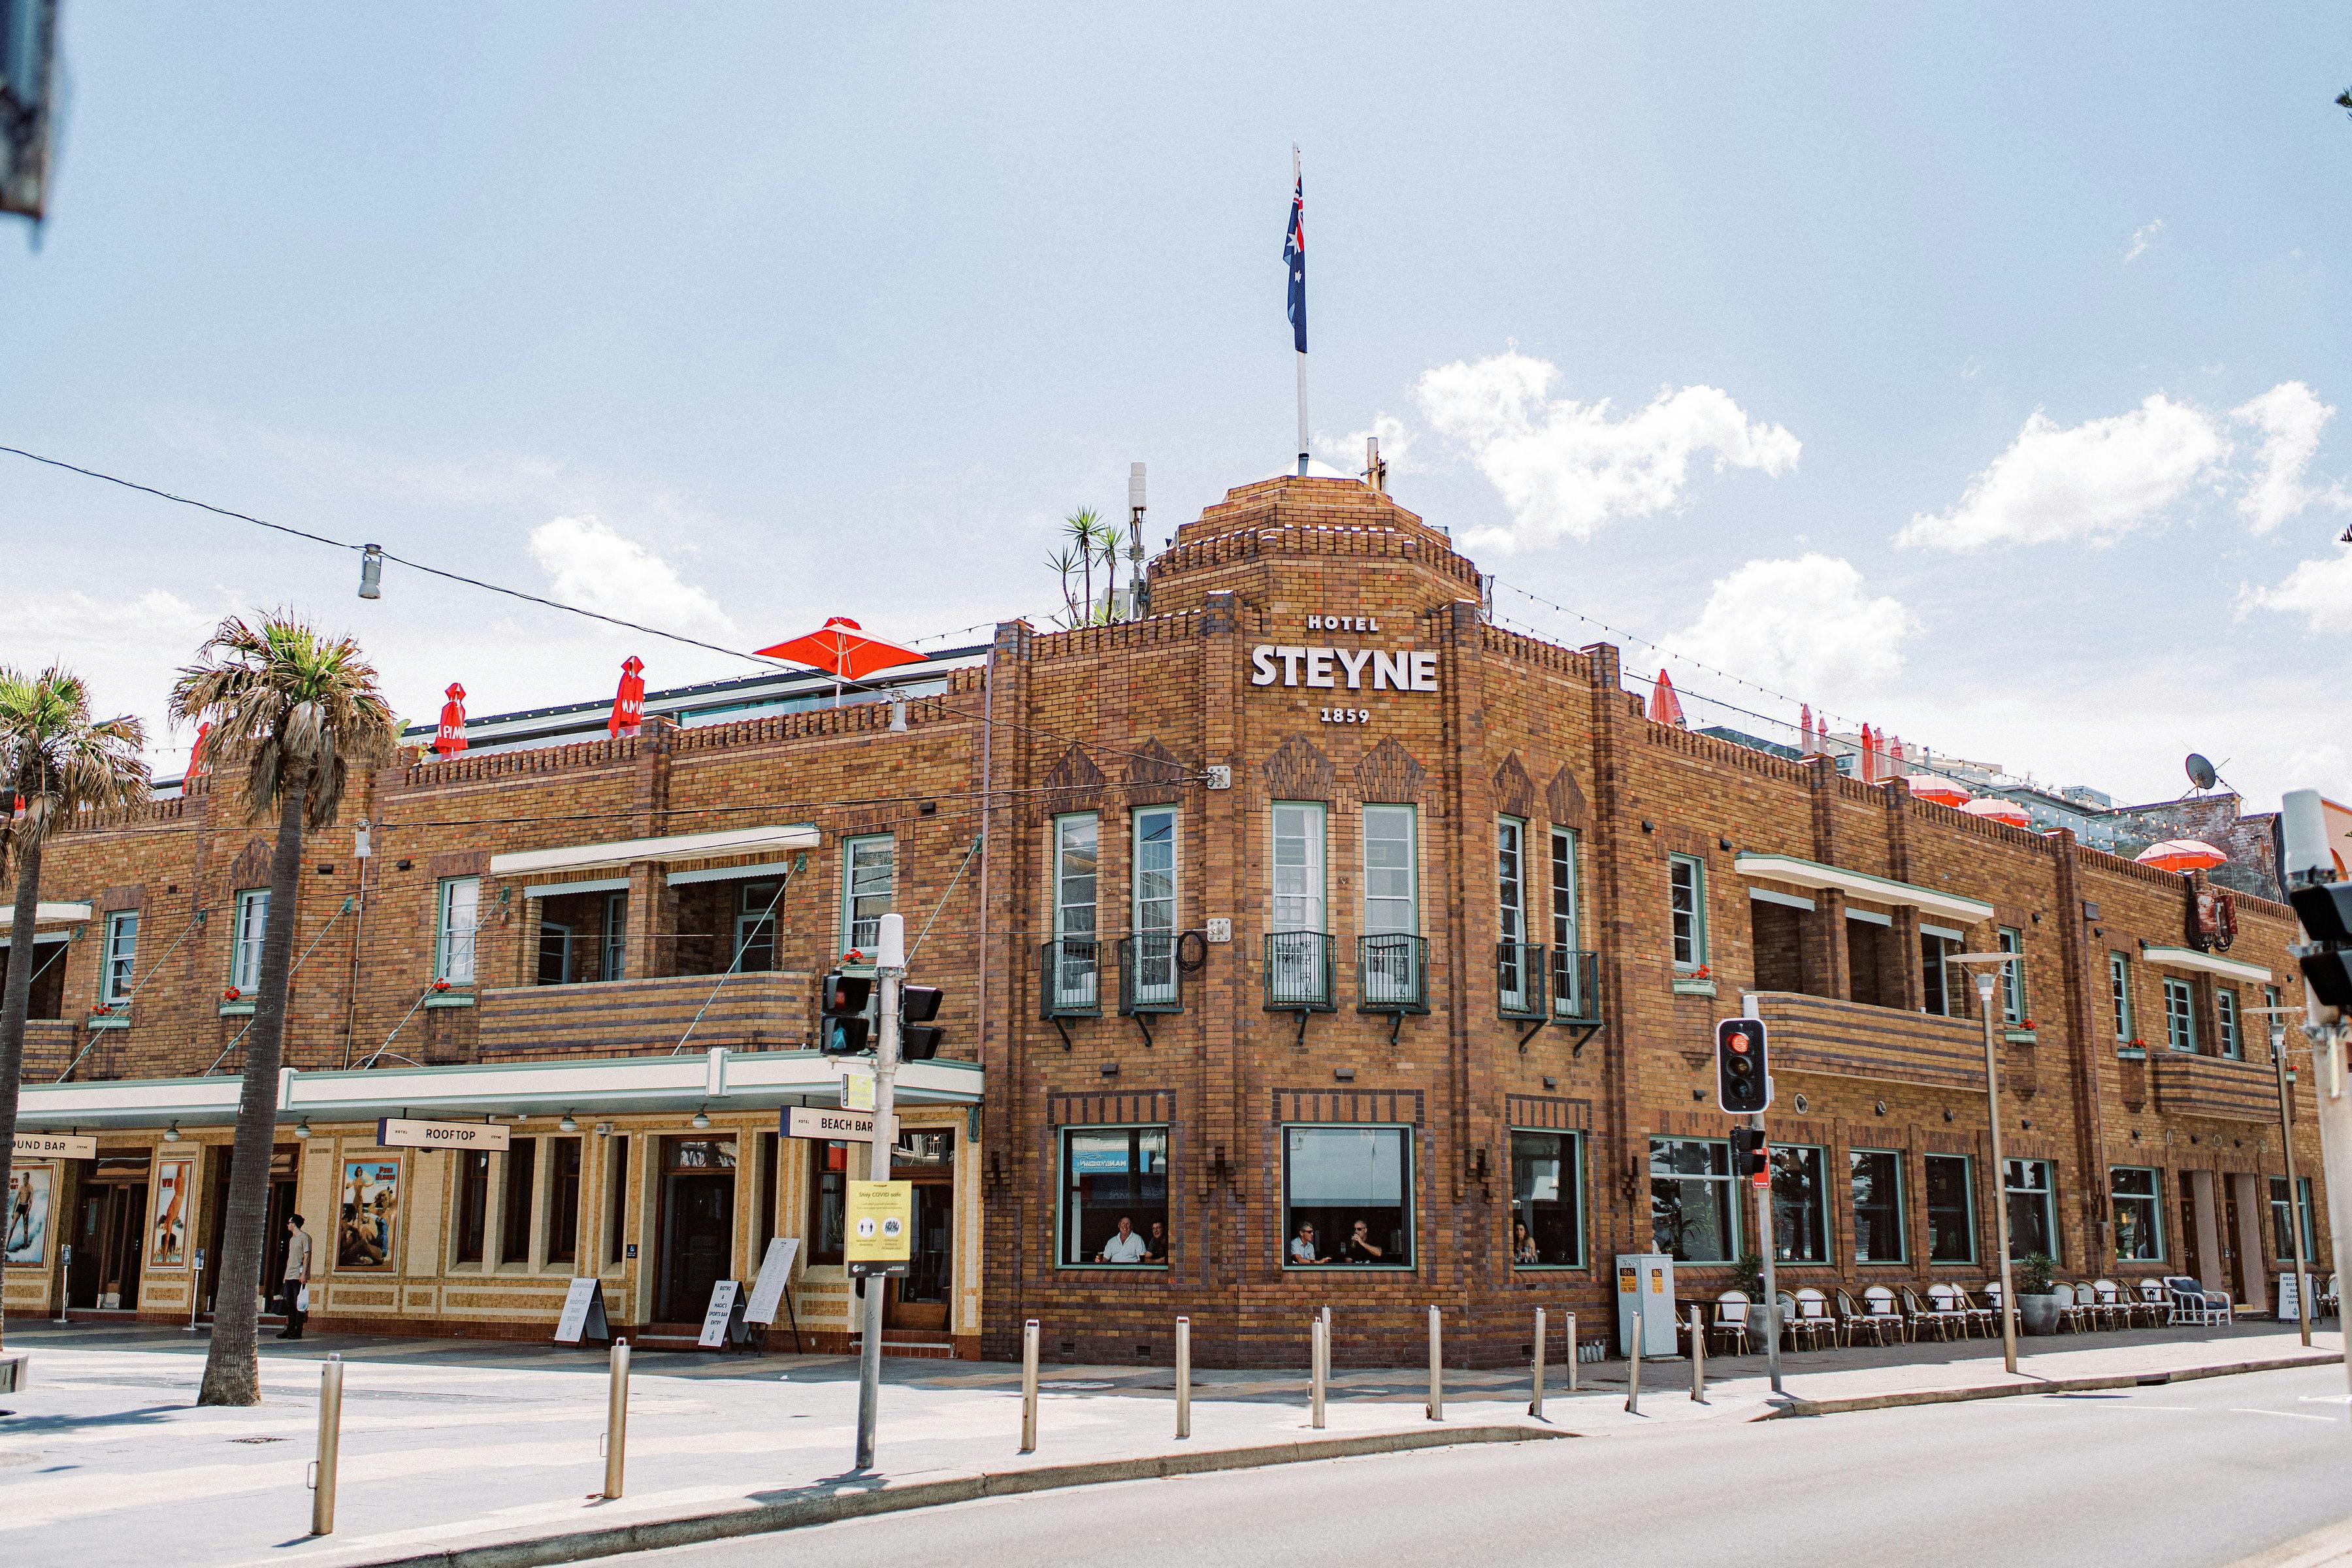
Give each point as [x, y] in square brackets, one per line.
[1750, 1276]
[2035, 1275]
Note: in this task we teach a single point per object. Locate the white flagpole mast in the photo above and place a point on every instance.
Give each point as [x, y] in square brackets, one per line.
[1298, 190]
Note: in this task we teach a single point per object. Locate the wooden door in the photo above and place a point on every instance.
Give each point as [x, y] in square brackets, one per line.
[2192, 1231]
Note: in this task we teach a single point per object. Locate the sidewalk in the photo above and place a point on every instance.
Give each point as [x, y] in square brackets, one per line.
[451, 1446]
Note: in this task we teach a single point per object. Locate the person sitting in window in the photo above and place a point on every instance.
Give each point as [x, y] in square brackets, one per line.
[1523, 1246]
[1302, 1246]
[1155, 1246]
[1124, 1247]
[1358, 1247]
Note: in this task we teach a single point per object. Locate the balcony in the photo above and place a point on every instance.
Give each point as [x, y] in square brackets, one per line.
[1069, 978]
[1298, 972]
[765, 1010]
[1519, 980]
[1150, 979]
[1575, 987]
[1392, 973]
[2220, 1087]
[1854, 1039]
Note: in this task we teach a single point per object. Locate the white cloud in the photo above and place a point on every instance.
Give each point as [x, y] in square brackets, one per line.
[1346, 453]
[2096, 481]
[2142, 237]
[2319, 590]
[2290, 416]
[1807, 623]
[1565, 468]
[591, 565]
[128, 653]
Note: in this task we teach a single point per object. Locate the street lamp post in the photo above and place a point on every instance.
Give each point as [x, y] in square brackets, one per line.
[2278, 1017]
[1985, 979]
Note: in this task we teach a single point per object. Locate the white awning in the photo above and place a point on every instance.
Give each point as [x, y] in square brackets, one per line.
[1861, 885]
[2205, 963]
[678, 847]
[46, 914]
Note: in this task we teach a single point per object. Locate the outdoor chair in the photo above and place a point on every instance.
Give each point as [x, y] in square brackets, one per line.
[2109, 1305]
[1986, 1305]
[1730, 1325]
[1953, 1303]
[2330, 1300]
[1943, 1322]
[2153, 1303]
[1852, 1322]
[1886, 1312]
[2194, 1305]
[1813, 1318]
[2072, 1313]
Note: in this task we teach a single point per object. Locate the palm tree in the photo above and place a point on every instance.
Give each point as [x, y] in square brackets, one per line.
[1085, 526]
[57, 761]
[300, 712]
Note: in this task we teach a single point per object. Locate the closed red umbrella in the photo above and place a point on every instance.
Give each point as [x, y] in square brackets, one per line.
[450, 739]
[1665, 708]
[844, 651]
[629, 702]
[196, 764]
[2181, 855]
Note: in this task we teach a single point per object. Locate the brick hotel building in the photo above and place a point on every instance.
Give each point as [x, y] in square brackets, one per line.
[1354, 950]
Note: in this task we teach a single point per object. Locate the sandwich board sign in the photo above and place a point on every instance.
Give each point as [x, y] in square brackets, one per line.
[723, 1324]
[583, 1313]
[774, 1278]
[880, 1228]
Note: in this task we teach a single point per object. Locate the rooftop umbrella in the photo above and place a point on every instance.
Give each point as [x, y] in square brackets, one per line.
[1665, 708]
[1993, 808]
[844, 651]
[450, 739]
[2181, 855]
[629, 702]
[1942, 791]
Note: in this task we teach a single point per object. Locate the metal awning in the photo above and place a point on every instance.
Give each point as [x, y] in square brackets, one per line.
[2205, 963]
[715, 1081]
[46, 913]
[676, 847]
[1861, 885]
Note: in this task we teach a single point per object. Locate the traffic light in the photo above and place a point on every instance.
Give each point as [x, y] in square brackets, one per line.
[1751, 1154]
[841, 1024]
[919, 1038]
[1743, 1082]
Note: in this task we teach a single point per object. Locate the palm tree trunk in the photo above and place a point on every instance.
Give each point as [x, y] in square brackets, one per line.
[15, 1001]
[232, 1369]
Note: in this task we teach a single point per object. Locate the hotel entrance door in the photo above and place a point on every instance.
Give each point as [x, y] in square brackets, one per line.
[698, 1224]
[109, 1227]
[274, 1243]
[921, 1299]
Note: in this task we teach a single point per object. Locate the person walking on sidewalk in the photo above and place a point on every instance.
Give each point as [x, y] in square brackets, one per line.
[298, 1277]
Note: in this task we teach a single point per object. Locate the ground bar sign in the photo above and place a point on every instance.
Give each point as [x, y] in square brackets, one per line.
[401, 1132]
[55, 1146]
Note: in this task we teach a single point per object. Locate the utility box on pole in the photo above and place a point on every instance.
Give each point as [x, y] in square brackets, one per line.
[1645, 1295]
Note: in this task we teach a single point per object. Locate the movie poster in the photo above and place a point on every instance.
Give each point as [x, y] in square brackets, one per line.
[176, 1181]
[368, 1227]
[30, 1187]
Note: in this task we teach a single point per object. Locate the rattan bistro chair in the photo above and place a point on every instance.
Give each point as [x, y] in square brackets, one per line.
[1730, 1325]
[1943, 1322]
[1852, 1322]
[2112, 1308]
[1952, 1302]
[1813, 1320]
[1886, 1312]
[2152, 1303]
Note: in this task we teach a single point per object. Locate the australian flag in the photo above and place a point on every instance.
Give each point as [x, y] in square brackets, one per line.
[1294, 253]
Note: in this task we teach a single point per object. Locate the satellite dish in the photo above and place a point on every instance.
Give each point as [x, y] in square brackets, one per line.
[2201, 771]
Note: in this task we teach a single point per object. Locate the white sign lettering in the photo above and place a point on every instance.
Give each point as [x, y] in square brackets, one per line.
[1358, 669]
[1342, 623]
[401, 1132]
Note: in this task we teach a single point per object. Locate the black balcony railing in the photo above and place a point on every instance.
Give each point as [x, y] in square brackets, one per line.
[1576, 986]
[1150, 980]
[1519, 971]
[1069, 978]
[1392, 973]
[1298, 972]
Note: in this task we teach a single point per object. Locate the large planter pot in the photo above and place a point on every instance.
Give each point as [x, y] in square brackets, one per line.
[2038, 1313]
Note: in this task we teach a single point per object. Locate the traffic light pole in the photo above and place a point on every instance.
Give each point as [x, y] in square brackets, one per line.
[890, 970]
[1771, 1279]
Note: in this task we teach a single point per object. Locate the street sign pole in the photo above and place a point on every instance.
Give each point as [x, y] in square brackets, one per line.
[891, 970]
[1771, 1279]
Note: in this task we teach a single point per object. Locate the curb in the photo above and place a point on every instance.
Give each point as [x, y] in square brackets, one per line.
[687, 1530]
[2052, 1386]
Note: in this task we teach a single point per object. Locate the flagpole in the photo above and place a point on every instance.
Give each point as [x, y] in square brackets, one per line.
[1302, 352]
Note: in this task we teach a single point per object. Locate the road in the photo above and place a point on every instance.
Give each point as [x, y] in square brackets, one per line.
[2189, 1474]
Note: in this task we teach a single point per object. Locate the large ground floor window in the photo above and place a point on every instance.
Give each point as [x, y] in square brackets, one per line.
[1692, 1214]
[1114, 1195]
[1951, 1209]
[2136, 1196]
[1547, 1200]
[2027, 1187]
[1344, 1196]
[2282, 1234]
[1878, 1177]
[1800, 1204]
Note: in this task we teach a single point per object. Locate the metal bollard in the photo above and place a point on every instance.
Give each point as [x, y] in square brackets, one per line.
[1029, 1386]
[195, 1289]
[1318, 1368]
[616, 1421]
[1183, 1377]
[330, 1433]
[1436, 1368]
[65, 1276]
[1698, 1355]
[1572, 1353]
[1634, 1376]
[1534, 1403]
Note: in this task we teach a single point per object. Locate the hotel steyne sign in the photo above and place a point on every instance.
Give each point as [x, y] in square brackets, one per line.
[1339, 668]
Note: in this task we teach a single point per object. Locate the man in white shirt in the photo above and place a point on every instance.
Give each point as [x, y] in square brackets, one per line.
[1302, 1246]
[1124, 1247]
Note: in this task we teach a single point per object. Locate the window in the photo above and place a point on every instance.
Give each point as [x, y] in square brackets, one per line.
[1115, 1195]
[755, 926]
[868, 872]
[1800, 1204]
[2277, 1025]
[1547, 1200]
[2179, 1018]
[828, 1188]
[2134, 1194]
[453, 951]
[2281, 1238]
[245, 947]
[473, 1203]
[1153, 918]
[616, 1200]
[1296, 963]
[1076, 977]
[1567, 997]
[763, 1224]
[616, 934]
[2119, 994]
[1936, 977]
[1878, 1177]
[1392, 906]
[563, 1201]
[523, 1165]
[2012, 978]
[1687, 886]
[1343, 1197]
[2225, 1010]
[1511, 902]
[121, 956]
[1692, 1214]
[1951, 1210]
[2032, 1216]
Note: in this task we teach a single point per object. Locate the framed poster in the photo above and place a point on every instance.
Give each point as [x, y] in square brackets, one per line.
[175, 1181]
[29, 1189]
[370, 1220]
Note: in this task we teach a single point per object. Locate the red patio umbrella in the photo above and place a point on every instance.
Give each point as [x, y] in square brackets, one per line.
[629, 702]
[451, 737]
[1942, 791]
[1994, 808]
[2181, 855]
[1805, 728]
[1665, 708]
[196, 764]
[843, 650]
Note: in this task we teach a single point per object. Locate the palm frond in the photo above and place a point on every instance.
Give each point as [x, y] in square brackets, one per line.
[294, 706]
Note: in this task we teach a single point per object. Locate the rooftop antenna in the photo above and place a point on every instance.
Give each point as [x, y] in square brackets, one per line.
[1137, 596]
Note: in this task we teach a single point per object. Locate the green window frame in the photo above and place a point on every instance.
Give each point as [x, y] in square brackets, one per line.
[1319, 1162]
[2136, 1196]
[2233, 1042]
[1686, 908]
[2119, 996]
[456, 926]
[1880, 1220]
[2012, 977]
[251, 927]
[2179, 1015]
[1693, 1193]
[1802, 1231]
[1108, 1171]
[120, 975]
[870, 881]
[1548, 1203]
[1951, 1209]
[2282, 1238]
[2029, 1188]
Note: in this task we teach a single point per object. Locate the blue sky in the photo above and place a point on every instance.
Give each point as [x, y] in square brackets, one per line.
[1820, 347]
